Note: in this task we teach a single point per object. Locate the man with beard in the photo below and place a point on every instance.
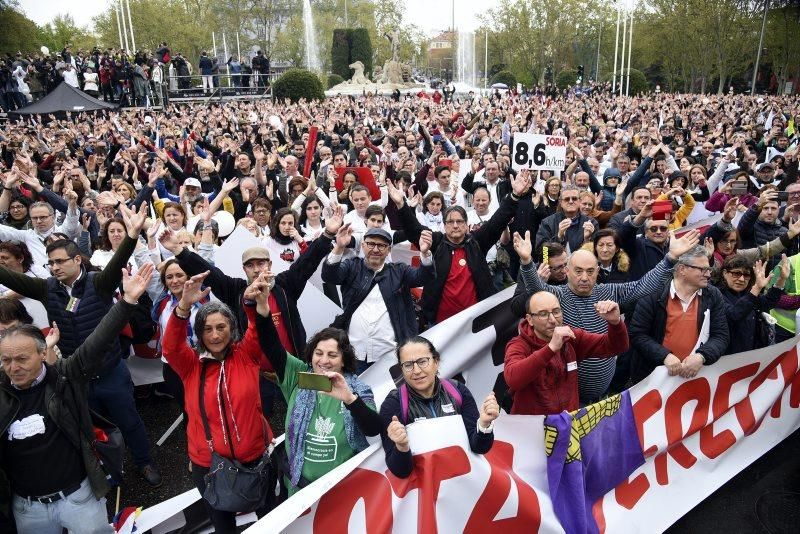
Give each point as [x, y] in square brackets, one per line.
[377, 315]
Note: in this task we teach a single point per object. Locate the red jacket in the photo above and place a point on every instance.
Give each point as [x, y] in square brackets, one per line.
[241, 378]
[544, 382]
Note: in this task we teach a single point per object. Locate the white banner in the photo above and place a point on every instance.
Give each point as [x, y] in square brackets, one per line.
[693, 436]
[539, 152]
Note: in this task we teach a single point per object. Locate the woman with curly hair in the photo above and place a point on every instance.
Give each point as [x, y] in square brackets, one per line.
[323, 428]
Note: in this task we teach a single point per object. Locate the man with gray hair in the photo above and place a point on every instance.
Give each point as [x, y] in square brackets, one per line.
[43, 220]
[684, 326]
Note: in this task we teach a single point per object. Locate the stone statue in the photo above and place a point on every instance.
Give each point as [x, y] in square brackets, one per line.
[358, 74]
[394, 41]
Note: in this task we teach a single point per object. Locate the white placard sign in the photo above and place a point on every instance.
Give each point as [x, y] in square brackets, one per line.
[538, 152]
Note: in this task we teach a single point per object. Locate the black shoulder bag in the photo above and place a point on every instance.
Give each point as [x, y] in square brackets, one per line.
[230, 485]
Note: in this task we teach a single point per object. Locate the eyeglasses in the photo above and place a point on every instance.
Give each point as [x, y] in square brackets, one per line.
[559, 267]
[739, 274]
[704, 270]
[17, 207]
[729, 242]
[371, 245]
[455, 222]
[544, 314]
[659, 229]
[57, 261]
[422, 363]
[569, 199]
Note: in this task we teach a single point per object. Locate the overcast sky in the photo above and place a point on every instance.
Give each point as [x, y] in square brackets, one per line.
[430, 15]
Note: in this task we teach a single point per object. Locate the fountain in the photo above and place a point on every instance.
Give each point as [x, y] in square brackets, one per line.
[311, 55]
[465, 61]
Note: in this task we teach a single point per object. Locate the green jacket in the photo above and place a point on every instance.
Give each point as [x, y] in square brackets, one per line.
[67, 398]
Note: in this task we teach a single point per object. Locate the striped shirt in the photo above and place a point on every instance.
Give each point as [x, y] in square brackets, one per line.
[595, 374]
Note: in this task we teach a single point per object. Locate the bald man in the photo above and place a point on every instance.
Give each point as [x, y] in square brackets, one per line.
[582, 292]
[541, 363]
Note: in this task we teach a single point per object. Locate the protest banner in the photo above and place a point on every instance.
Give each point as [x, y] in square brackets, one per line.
[538, 152]
[609, 467]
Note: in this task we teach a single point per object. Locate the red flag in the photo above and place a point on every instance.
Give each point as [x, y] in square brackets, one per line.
[310, 149]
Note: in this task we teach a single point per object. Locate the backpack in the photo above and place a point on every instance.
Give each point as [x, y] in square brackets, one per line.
[448, 386]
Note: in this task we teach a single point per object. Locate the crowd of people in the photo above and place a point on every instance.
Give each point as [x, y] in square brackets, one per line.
[112, 222]
[144, 78]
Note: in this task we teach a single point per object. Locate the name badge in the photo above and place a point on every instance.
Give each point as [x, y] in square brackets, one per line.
[72, 304]
[572, 366]
[448, 408]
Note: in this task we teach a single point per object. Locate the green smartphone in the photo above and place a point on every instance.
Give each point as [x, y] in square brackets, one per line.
[314, 381]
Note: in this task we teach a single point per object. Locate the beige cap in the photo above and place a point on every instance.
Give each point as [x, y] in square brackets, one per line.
[255, 253]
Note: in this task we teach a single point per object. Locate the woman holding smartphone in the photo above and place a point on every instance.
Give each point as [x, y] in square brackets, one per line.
[323, 428]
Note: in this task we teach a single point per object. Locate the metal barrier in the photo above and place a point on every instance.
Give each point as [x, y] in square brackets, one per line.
[219, 86]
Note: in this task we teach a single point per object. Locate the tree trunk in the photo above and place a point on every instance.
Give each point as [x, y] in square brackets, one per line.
[721, 86]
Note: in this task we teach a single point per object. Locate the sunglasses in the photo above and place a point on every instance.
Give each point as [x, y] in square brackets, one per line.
[658, 229]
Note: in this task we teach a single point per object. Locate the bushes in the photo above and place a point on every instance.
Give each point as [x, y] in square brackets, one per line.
[350, 45]
[340, 54]
[333, 80]
[361, 49]
[566, 78]
[505, 77]
[296, 84]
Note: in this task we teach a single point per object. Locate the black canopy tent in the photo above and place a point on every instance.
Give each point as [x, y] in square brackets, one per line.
[60, 100]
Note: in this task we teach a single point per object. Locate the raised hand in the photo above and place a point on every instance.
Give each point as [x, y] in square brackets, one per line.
[395, 194]
[425, 242]
[134, 286]
[563, 226]
[53, 336]
[397, 433]
[169, 241]
[682, 245]
[339, 388]
[193, 292]
[489, 410]
[560, 334]
[523, 247]
[608, 310]
[521, 183]
[343, 237]
[134, 220]
[334, 221]
[229, 185]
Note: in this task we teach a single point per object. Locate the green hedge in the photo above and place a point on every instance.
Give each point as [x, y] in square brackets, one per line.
[296, 84]
[506, 77]
[340, 54]
[333, 80]
[350, 45]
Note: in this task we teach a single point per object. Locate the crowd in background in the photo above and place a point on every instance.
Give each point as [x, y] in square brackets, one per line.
[605, 291]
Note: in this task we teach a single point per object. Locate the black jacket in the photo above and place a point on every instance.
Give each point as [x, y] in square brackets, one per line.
[395, 281]
[476, 245]
[649, 323]
[644, 254]
[289, 285]
[67, 397]
[742, 310]
[548, 231]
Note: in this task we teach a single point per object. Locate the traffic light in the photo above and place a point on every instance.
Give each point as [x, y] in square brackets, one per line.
[580, 75]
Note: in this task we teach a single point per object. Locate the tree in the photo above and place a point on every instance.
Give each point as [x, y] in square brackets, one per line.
[566, 78]
[63, 31]
[296, 84]
[361, 48]
[18, 33]
[334, 80]
[340, 54]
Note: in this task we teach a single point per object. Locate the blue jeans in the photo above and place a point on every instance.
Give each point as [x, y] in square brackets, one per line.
[112, 396]
[78, 512]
